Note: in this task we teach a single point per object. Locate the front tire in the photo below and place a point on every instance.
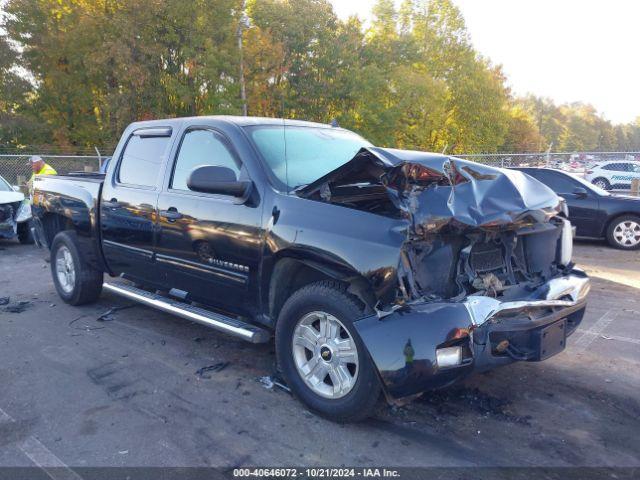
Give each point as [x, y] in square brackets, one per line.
[321, 356]
[624, 232]
[76, 282]
[24, 233]
[603, 183]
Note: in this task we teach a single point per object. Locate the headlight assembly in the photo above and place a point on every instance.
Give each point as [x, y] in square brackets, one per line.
[564, 208]
[24, 212]
[566, 242]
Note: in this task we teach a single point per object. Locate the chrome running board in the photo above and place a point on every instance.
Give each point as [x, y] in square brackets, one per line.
[217, 321]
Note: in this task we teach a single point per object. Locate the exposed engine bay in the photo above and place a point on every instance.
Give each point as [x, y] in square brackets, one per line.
[471, 229]
[483, 263]
[8, 214]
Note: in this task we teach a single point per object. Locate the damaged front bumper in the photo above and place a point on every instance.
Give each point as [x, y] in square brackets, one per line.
[423, 346]
[8, 229]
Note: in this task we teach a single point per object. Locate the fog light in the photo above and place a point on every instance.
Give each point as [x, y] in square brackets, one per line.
[449, 356]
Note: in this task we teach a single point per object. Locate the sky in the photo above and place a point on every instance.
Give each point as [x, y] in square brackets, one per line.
[567, 50]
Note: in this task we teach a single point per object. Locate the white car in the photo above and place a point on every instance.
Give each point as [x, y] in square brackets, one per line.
[613, 174]
[15, 214]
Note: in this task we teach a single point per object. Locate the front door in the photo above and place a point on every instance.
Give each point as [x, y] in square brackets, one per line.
[584, 211]
[209, 245]
[128, 205]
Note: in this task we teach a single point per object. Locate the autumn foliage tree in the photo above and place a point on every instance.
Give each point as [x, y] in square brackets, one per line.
[74, 73]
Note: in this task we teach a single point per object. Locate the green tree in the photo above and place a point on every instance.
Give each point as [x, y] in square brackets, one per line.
[75, 72]
[523, 134]
[17, 125]
[477, 116]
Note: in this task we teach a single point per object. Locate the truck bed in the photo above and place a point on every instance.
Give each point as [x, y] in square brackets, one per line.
[71, 200]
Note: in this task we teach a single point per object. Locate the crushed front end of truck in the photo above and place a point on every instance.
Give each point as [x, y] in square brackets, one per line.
[14, 210]
[484, 274]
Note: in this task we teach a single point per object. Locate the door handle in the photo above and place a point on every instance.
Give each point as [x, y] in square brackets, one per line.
[171, 214]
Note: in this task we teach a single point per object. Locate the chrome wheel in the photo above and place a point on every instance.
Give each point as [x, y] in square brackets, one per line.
[325, 355]
[627, 233]
[601, 184]
[65, 269]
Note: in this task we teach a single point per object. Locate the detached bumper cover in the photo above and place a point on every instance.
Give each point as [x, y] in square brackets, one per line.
[403, 344]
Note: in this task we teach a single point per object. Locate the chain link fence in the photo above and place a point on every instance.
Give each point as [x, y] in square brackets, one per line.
[14, 168]
[572, 162]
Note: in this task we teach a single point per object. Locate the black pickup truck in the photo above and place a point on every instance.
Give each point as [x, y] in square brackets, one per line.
[376, 270]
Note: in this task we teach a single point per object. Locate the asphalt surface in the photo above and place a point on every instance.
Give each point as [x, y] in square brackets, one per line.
[76, 391]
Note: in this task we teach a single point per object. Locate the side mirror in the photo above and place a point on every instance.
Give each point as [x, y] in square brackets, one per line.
[218, 180]
[580, 192]
[16, 188]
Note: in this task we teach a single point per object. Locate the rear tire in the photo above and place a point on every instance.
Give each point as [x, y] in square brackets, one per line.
[624, 232]
[24, 233]
[351, 388]
[76, 282]
[601, 182]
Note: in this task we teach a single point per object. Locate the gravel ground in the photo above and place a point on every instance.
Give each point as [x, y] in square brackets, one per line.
[125, 392]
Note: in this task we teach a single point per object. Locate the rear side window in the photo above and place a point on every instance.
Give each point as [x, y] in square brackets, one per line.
[617, 167]
[200, 148]
[142, 159]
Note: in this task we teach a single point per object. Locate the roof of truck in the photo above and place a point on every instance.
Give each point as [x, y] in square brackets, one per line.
[238, 120]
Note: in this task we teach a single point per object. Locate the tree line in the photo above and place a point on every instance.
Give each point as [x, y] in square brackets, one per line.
[74, 73]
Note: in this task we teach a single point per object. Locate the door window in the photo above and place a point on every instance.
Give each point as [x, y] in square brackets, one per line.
[617, 167]
[558, 182]
[201, 148]
[141, 160]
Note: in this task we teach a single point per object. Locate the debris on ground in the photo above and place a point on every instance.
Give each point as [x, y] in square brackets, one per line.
[270, 381]
[4, 300]
[211, 368]
[108, 315]
[86, 327]
[17, 307]
[456, 400]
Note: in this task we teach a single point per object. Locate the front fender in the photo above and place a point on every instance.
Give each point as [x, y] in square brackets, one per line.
[403, 345]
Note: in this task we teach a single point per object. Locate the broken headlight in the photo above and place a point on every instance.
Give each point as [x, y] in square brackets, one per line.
[24, 212]
[564, 208]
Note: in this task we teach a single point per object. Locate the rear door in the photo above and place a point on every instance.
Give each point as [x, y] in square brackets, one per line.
[208, 245]
[128, 204]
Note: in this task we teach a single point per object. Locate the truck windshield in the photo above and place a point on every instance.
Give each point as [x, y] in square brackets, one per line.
[311, 152]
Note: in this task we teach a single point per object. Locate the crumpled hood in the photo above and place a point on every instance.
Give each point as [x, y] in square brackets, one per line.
[10, 197]
[435, 191]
